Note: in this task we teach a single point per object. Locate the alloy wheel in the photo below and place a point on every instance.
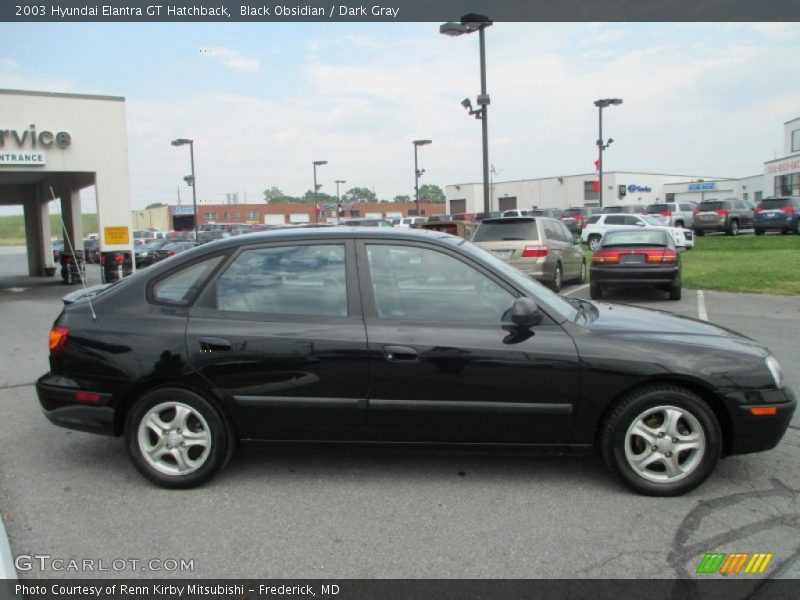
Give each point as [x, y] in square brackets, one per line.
[174, 438]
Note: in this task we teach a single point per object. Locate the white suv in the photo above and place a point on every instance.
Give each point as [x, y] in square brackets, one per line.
[597, 225]
[409, 222]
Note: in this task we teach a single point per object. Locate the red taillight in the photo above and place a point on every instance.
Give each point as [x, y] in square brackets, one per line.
[102, 259]
[788, 210]
[606, 256]
[661, 256]
[579, 217]
[695, 212]
[119, 258]
[58, 337]
[535, 252]
[87, 397]
[758, 209]
[170, 252]
[722, 211]
[665, 213]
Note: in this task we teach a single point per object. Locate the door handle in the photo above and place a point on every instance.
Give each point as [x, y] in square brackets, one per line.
[214, 345]
[398, 353]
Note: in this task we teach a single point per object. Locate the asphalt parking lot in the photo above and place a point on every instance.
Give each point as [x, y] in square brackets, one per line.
[354, 512]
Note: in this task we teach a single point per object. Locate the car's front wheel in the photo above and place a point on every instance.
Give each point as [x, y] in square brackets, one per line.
[661, 440]
[176, 438]
[594, 242]
[558, 278]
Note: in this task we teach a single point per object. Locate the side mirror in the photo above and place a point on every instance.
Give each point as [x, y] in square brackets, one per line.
[640, 224]
[525, 313]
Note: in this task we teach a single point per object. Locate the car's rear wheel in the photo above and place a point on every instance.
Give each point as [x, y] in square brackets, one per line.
[595, 291]
[582, 276]
[678, 223]
[594, 242]
[558, 278]
[758, 231]
[699, 232]
[675, 291]
[661, 440]
[733, 228]
[177, 439]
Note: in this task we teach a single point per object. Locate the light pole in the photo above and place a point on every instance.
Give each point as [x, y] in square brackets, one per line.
[469, 24]
[601, 104]
[417, 172]
[316, 164]
[190, 179]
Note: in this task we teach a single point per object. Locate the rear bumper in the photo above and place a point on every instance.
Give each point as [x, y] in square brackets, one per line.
[634, 276]
[777, 223]
[756, 434]
[711, 226]
[58, 397]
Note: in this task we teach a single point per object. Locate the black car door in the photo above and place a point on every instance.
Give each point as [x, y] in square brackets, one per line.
[280, 333]
[445, 366]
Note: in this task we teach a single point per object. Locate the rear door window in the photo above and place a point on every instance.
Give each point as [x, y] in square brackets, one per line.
[507, 230]
[615, 220]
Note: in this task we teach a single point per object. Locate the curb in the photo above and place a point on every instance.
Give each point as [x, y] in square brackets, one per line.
[7, 570]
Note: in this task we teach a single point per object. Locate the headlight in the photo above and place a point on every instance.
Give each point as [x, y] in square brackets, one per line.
[775, 370]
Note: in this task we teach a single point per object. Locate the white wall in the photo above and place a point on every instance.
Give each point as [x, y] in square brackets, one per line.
[99, 144]
[788, 128]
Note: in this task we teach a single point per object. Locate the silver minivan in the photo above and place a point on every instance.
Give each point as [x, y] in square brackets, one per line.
[542, 248]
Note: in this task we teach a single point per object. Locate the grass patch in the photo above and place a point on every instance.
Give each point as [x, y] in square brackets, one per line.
[766, 264]
[762, 265]
[12, 228]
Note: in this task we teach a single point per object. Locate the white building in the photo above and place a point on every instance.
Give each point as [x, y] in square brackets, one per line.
[565, 191]
[52, 146]
[780, 177]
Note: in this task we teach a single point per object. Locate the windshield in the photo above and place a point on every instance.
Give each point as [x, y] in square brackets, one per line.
[772, 203]
[643, 237]
[553, 304]
[710, 205]
[571, 212]
[508, 230]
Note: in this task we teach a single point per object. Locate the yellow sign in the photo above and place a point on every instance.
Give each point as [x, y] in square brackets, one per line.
[116, 235]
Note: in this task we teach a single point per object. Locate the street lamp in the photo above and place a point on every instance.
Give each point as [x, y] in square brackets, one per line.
[189, 179]
[417, 172]
[469, 24]
[601, 104]
[317, 163]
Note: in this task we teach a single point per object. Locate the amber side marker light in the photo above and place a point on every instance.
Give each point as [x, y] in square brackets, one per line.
[760, 411]
[58, 337]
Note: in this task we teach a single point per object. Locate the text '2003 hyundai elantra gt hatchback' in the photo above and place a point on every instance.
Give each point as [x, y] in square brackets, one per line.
[359, 334]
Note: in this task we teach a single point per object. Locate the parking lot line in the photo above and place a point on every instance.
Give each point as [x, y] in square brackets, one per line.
[701, 306]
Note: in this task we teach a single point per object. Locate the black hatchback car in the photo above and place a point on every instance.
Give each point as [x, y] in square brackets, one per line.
[384, 335]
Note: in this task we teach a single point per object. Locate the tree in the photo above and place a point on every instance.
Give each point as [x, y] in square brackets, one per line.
[402, 199]
[322, 198]
[431, 193]
[154, 205]
[359, 194]
[274, 196]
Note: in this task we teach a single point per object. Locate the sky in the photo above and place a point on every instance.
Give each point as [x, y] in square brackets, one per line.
[264, 100]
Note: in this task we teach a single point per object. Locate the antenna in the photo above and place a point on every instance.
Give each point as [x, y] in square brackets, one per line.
[81, 273]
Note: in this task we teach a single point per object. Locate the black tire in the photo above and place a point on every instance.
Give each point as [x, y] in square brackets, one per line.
[558, 278]
[733, 228]
[758, 231]
[797, 227]
[211, 423]
[593, 239]
[614, 441]
[699, 232]
[582, 277]
[679, 224]
[595, 291]
[675, 291]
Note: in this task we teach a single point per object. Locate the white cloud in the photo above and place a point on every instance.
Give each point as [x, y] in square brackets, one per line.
[233, 59]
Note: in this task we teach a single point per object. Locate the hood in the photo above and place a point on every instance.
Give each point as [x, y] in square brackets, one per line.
[637, 322]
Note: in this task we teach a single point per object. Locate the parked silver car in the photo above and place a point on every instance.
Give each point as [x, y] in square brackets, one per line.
[676, 214]
[542, 248]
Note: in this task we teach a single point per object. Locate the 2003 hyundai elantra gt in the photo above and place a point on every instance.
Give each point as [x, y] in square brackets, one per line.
[376, 335]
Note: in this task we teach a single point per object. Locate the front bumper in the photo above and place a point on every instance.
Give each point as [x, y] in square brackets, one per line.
[59, 397]
[756, 434]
